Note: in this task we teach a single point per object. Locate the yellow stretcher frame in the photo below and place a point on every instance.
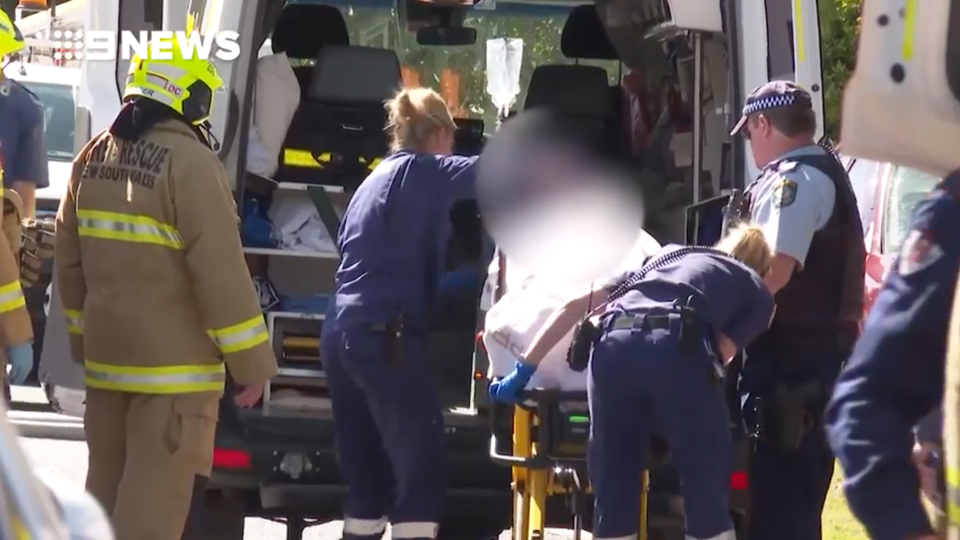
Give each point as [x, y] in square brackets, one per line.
[536, 475]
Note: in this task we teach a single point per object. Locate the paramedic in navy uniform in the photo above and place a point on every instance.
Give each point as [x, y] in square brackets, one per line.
[895, 375]
[393, 238]
[804, 202]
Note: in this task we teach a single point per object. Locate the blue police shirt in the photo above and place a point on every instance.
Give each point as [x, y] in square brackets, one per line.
[895, 375]
[729, 296]
[21, 136]
[791, 202]
[393, 236]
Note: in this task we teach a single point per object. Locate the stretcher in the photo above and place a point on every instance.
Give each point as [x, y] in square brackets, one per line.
[544, 441]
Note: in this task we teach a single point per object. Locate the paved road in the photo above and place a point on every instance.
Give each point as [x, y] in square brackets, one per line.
[55, 443]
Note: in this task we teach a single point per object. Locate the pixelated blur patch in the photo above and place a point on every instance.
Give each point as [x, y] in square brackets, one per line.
[785, 193]
[918, 252]
[554, 202]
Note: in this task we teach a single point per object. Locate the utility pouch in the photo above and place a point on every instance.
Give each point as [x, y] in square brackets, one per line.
[584, 336]
[791, 413]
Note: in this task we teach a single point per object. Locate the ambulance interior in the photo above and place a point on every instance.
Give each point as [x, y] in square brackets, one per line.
[645, 88]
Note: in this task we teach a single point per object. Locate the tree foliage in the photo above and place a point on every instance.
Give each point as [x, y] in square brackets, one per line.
[839, 20]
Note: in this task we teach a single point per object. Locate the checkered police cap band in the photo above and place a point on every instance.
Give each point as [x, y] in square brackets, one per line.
[769, 102]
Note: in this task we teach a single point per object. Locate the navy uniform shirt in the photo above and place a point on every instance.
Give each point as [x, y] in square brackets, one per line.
[394, 235]
[791, 202]
[21, 136]
[895, 375]
[729, 296]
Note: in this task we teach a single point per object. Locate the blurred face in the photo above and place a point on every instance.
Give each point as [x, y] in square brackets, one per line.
[763, 139]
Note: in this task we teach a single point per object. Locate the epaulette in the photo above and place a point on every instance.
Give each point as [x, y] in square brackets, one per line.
[786, 166]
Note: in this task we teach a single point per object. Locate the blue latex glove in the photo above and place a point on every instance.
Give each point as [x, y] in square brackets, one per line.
[507, 389]
[20, 359]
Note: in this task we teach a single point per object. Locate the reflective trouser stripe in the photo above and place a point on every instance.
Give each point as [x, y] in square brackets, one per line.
[726, 535]
[11, 297]
[952, 502]
[240, 337]
[127, 228]
[156, 380]
[414, 529]
[74, 321]
[364, 527]
[627, 537]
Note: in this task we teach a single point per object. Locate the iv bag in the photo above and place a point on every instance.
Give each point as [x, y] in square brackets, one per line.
[504, 58]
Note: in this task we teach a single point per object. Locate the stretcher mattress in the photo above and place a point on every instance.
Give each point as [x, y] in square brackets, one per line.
[513, 321]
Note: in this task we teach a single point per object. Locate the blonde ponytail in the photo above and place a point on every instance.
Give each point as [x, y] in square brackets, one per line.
[414, 115]
[749, 245]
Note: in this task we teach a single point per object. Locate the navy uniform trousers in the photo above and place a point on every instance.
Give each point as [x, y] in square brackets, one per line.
[788, 487]
[640, 384]
[390, 436]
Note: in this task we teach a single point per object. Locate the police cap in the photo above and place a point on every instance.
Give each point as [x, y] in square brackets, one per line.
[773, 95]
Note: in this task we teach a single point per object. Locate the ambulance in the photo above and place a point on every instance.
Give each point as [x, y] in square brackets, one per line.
[663, 80]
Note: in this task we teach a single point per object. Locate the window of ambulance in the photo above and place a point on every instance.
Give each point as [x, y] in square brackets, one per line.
[904, 190]
[864, 175]
[458, 72]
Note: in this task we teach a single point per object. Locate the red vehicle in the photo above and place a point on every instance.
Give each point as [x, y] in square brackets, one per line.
[886, 196]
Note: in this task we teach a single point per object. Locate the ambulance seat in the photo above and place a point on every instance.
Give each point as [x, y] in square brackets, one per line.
[337, 136]
[302, 30]
[581, 96]
[468, 140]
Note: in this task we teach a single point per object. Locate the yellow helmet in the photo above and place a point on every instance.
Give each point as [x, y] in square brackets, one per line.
[183, 82]
[11, 40]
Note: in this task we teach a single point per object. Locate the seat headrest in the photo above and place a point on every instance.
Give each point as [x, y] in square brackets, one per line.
[303, 29]
[585, 36]
[572, 91]
[354, 75]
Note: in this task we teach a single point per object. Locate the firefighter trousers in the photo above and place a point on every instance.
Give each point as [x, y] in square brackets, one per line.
[150, 456]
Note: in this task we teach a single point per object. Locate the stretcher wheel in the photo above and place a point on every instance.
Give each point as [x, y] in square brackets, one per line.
[547, 455]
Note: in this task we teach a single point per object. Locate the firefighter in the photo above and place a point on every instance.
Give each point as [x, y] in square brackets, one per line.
[806, 206]
[22, 130]
[895, 375]
[23, 160]
[158, 299]
[388, 416]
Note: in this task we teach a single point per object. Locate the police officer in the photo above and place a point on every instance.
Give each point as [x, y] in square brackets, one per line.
[23, 160]
[158, 298]
[392, 241]
[895, 375]
[805, 204]
[654, 368]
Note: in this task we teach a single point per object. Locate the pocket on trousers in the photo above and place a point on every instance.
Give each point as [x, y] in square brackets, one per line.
[191, 429]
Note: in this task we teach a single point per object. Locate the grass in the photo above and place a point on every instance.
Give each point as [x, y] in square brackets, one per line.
[838, 522]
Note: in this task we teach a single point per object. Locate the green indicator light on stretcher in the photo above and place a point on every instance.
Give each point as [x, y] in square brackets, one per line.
[579, 419]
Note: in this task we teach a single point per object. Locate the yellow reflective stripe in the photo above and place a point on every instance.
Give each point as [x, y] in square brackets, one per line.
[299, 158]
[127, 228]
[953, 495]
[909, 28]
[240, 337]
[798, 31]
[74, 321]
[156, 380]
[11, 297]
